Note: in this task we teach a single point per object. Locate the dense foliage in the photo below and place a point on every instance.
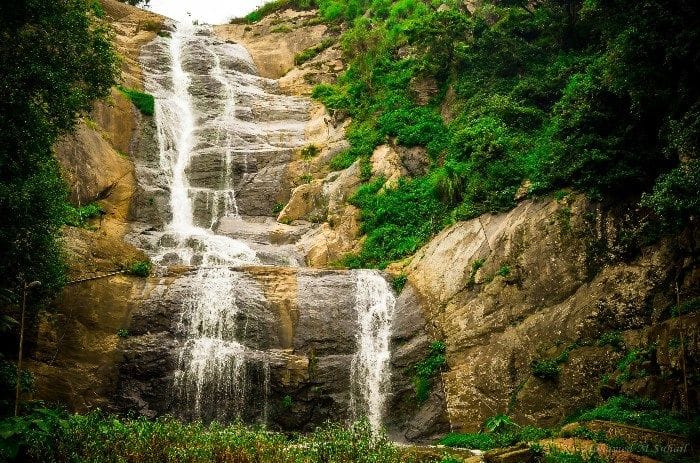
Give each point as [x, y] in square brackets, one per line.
[55, 59]
[51, 436]
[598, 95]
[642, 412]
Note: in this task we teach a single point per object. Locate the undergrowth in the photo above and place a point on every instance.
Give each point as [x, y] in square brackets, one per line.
[49, 435]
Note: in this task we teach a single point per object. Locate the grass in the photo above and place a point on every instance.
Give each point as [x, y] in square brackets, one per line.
[505, 436]
[310, 151]
[641, 412]
[272, 7]
[398, 282]
[143, 101]
[53, 436]
[310, 53]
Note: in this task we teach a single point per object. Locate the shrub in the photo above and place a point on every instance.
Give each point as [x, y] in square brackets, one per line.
[143, 101]
[641, 412]
[51, 435]
[309, 151]
[427, 369]
[78, 216]
[277, 208]
[141, 268]
[547, 369]
[611, 338]
[398, 282]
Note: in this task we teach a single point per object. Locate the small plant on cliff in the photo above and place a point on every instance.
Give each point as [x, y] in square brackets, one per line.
[310, 151]
[123, 333]
[547, 369]
[398, 282]
[613, 339]
[277, 208]
[143, 101]
[141, 268]
[504, 271]
[287, 401]
[78, 216]
[427, 369]
[310, 53]
[499, 423]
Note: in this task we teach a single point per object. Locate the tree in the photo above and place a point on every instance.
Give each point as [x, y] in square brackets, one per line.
[56, 58]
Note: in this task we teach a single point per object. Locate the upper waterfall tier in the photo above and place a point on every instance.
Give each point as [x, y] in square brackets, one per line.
[224, 133]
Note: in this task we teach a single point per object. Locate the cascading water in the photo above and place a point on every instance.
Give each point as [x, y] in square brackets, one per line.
[211, 377]
[215, 117]
[370, 370]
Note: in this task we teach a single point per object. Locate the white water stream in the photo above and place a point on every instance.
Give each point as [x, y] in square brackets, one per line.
[370, 370]
[211, 379]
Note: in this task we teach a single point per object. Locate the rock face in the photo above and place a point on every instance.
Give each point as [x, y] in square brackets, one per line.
[266, 340]
[509, 289]
[76, 353]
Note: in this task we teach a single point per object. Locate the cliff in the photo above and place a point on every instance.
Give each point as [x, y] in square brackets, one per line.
[538, 307]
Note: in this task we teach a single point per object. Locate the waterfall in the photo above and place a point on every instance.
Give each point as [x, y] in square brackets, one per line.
[216, 119]
[370, 370]
[211, 377]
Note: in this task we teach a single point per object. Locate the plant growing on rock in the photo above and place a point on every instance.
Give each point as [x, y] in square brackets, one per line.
[141, 268]
[427, 369]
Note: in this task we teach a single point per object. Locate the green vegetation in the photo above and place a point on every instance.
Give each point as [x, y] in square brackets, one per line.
[499, 431]
[310, 151]
[627, 367]
[277, 208]
[141, 268]
[689, 306]
[613, 339]
[305, 178]
[310, 53]
[273, 6]
[427, 369]
[123, 333]
[57, 59]
[48, 435]
[641, 412]
[281, 29]
[398, 282]
[503, 271]
[143, 101]
[594, 96]
[548, 368]
[78, 216]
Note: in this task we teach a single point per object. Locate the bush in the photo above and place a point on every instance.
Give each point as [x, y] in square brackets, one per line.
[547, 369]
[641, 412]
[143, 101]
[502, 433]
[51, 435]
[272, 7]
[141, 268]
[427, 369]
[309, 151]
[78, 216]
[398, 282]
